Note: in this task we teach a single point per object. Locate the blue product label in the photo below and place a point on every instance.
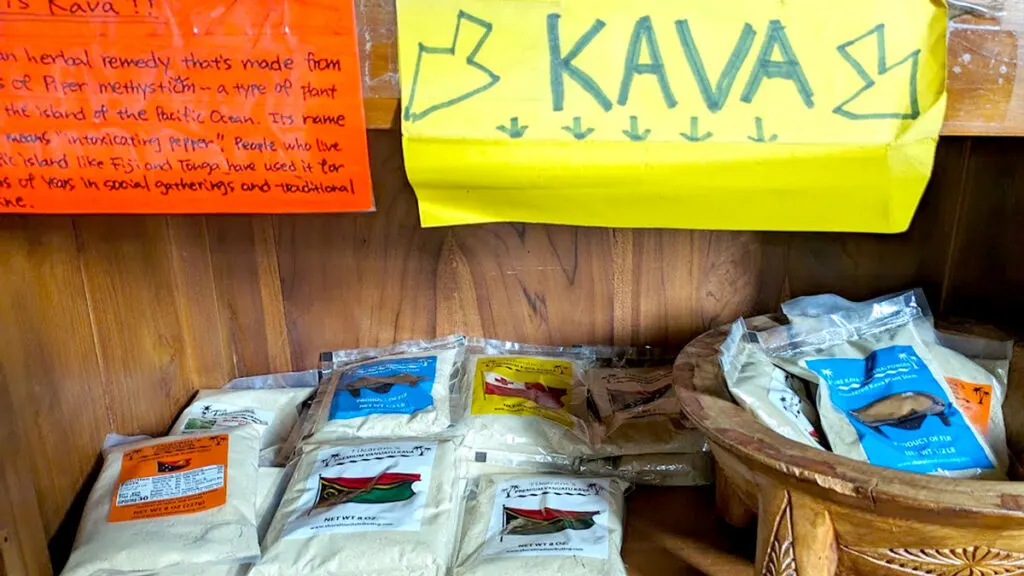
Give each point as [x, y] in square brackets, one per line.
[400, 386]
[902, 415]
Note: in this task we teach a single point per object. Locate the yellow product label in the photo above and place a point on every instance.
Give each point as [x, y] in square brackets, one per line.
[518, 386]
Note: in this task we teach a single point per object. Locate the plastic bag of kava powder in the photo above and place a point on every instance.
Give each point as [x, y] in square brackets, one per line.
[274, 411]
[694, 469]
[410, 389]
[974, 392]
[175, 502]
[542, 524]
[367, 509]
[520, 401]
[883, 393]
[776, 398]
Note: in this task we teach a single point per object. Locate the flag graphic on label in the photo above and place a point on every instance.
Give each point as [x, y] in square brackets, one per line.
[522, 522]
[383, 489]
[547, 396]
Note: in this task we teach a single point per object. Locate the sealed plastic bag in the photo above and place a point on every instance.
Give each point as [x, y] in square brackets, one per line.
[974, 393]
[776, 398]
[369, 509]
[638, 412]
[410, 389]
[883, 393]
[520, 399]
[170, 503]
[273, 411]
[544, 524]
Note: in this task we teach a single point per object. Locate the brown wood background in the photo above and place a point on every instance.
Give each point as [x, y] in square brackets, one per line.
[110, 323]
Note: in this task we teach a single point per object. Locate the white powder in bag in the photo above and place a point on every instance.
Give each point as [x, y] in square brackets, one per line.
[169, 502]
[639, 412]
[524, 404]
[371, 509]
[274, 411]
[542, 524]
[397, 396]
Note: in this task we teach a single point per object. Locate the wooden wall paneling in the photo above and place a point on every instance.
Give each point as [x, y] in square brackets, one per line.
[360, 280]
[48, 364]
[862, 266]
[22, 534]
[243, 254]
[130, 286]
[208, 344]
[986, 272]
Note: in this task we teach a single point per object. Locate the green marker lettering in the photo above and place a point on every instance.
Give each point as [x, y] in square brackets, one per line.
[562, 65]
[715, 98]
[788, 68]
[643, 31]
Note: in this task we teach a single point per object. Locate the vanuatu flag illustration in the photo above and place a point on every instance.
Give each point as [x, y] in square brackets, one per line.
[388, 487]
[520, 522]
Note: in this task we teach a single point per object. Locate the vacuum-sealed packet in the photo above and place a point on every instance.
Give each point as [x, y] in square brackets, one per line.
[366, 509]
[172, 503]
[694, 469]
[542, 524]
[520, 400]
[974, 392]
[883, 393]
[410, 389]
[273, 411]
[776, 398]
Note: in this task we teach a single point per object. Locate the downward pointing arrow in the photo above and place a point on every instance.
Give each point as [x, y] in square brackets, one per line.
[577, 130]
[455, 78]
[695, 135]
[882, 68]
[634, 132]
[759, 128]
[513, 130]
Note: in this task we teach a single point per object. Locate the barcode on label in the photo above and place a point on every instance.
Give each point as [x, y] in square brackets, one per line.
[166, 486]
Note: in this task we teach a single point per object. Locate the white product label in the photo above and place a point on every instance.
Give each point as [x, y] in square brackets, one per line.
[365, 488]
[547, 516]
[166, 486]
[789, 402]
[211, 415]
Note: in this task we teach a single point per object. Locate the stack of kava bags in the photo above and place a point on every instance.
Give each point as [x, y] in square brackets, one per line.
[448, 456]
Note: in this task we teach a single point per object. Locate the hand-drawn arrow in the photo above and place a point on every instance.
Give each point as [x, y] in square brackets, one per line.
[474, 76]
[513, 130]
[694, 135]
[882, 70]
[759, 127]
[577, 130]
[634, 132]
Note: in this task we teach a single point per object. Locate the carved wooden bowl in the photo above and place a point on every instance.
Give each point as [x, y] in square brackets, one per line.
[822, 514]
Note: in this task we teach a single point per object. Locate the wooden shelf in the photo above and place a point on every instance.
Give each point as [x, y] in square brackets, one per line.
[986, 83]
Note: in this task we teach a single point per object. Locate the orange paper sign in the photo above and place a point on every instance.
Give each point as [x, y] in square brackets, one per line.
[181, 106]
[172, 478]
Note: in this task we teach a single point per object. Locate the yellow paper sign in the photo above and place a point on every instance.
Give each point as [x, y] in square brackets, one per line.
[732, 114]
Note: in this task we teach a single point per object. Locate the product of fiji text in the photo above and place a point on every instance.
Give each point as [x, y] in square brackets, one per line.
[544, 524]
[883, 392]
[273, 411]
[523, 404]
[638, 413]
[776, 398]
[174, 502]
[408, 390]
[366, 510]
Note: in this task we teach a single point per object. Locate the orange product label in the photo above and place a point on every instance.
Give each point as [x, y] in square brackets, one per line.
[177, 477]
[974, 401]
[181, 106]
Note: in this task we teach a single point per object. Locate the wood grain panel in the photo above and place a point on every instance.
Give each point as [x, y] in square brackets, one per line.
[129, 283]
[48, 366]
[986, 272]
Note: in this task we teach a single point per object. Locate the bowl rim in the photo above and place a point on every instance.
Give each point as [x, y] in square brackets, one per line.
[733, 429]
